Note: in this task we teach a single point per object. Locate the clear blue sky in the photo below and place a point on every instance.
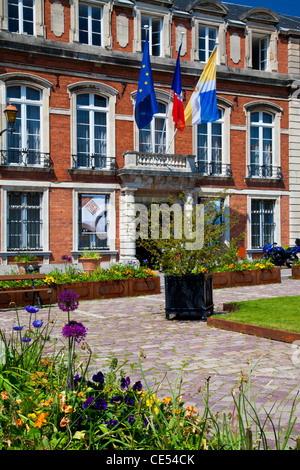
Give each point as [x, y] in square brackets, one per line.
[284, 7]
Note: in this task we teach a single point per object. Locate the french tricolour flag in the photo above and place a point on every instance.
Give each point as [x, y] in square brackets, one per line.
[178, 111]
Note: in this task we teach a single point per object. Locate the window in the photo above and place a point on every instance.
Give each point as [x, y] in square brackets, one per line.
[91, 130]
[21, 16]
[24, 221]
[210, 146]
[261, 143]
[93, 221]
[23, 146]
[207, 40]
[153, 138]
[262, 222]
[90, 25]
[154, 34]
[260, 53]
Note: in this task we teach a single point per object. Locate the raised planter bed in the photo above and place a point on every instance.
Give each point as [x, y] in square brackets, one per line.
[269, 333]
[89, 290]
[296, 272]
[246, 278]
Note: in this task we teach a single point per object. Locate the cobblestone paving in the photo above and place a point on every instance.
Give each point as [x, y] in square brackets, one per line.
[136, 327]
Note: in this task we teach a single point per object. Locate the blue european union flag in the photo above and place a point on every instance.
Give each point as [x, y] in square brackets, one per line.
[146, 104]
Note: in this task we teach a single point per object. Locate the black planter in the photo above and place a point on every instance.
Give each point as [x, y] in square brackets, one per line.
[190, 295]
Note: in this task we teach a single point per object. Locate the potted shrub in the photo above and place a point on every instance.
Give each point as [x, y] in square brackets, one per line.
[23, 261]
[187, 273]
[90, 260]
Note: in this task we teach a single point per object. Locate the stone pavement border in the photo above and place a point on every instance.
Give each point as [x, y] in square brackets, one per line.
[135, 327]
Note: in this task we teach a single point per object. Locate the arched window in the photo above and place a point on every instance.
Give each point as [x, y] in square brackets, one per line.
[210, 146]
[91, 117]
[153, 138]
[24, 145]
[261, 143]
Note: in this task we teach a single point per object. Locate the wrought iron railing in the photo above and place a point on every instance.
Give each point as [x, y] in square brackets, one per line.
[24, 158]
[213, 168]
[93, 162]
[264, 171]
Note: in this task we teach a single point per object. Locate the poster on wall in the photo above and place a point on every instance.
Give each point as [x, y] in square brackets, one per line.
[93, 215]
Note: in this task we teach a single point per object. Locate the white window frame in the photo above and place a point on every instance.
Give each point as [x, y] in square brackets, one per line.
[206, 38]
[150, 20]
[226, 106]
[21, 18]
[261, 126]
[162, 148]
[161, 13]
[164, 98]
[106, 33]
[32, 81]
[96, 88]
[23, 102]
[25, 188]
[91, 109]
[209, 127]
[262, 195]
[90, 28]
[111, 216]
[263, 65]
[39, 28]
[273, 109]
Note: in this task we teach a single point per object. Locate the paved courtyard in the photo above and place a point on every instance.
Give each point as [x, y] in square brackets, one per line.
[136, 327]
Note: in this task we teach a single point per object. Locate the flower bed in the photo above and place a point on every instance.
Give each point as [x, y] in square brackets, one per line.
[246, 274]
[118, 281]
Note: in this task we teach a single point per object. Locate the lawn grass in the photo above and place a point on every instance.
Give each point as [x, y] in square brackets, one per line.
[280, 313]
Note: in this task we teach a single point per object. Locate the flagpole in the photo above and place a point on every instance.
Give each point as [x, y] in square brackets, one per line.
[168, 105]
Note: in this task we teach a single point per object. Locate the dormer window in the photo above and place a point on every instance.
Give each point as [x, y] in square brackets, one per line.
[207, 40]
[154, 26]
[90, 25]
[260, 53]
[20, 16]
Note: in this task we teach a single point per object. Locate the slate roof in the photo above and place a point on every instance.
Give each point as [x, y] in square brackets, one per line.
[236, 11]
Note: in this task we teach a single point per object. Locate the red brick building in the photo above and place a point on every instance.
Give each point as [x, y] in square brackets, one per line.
[77, 159]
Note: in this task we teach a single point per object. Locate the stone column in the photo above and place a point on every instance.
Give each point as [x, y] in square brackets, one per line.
[127, 226]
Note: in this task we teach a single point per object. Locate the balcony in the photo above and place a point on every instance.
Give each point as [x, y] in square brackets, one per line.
[264, 172]
[99, 164]
[20, 160]
[159, 162]
[214, 169]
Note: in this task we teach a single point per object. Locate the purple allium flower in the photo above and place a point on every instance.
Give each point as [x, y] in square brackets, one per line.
[125, 382]
[67, 300]
[88, 402]
[101, 404]
[26, 339]
[99, 377]
[75, 330]
[38, 323]
[31, 309]
[131, 419]
[117, 399]
[18, 328]
[137, 386]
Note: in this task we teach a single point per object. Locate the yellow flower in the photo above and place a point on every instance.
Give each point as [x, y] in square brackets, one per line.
[167, 400]
[32, 416]
[4, 395]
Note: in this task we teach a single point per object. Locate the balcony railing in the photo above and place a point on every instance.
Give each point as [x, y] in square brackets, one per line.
[25, 158]
[159, 161]
[213, 169]
[264, 171]
[93, 162]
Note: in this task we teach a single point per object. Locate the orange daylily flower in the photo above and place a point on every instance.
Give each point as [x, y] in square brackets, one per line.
[41, 420]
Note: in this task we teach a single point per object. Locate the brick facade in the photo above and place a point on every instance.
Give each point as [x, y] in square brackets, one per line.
[64, 68]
